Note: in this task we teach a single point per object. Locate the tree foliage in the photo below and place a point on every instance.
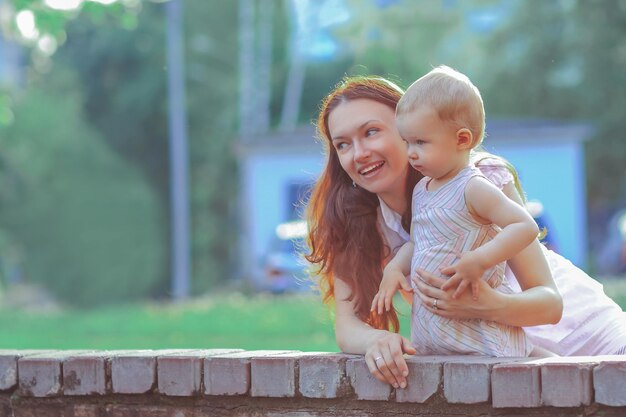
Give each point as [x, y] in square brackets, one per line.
[86, 221]
[567, 60]
[558, 59]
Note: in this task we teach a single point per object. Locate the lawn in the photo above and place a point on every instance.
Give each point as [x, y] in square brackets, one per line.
[298, 322]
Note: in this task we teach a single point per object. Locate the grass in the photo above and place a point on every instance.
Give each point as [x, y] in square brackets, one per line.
[298, 322]
[260, 322]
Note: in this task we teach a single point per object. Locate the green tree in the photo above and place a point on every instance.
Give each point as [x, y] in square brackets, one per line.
[567, 60]
[87, 222]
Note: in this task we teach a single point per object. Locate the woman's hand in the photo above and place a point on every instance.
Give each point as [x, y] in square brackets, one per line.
[440, 302]
[385, 360]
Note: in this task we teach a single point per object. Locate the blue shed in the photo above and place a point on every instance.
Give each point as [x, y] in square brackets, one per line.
[548, 155]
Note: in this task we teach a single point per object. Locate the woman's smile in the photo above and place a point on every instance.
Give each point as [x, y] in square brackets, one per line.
[371, 169]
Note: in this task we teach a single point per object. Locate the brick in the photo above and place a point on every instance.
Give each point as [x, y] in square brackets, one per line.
[364, 384]
[133, 372]
[516, 384]
[229, 374]
[85, 374]
[274, 375]
[8, 371]
[180, 373]
[40, 375]
[609, 381]
[8, 366]
[324, 375]
[423, 380]
[567, 382]
[467, 379]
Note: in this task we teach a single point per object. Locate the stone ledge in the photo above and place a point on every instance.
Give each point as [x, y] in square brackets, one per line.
[87, 378]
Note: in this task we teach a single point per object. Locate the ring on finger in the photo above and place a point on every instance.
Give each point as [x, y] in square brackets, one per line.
[377, 359]
[435, 304]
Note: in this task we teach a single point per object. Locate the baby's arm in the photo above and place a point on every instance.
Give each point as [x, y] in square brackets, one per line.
[487, 202]
[394, 278]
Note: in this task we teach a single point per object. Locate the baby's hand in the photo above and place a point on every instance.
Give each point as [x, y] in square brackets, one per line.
[467, 272]
[392, 281]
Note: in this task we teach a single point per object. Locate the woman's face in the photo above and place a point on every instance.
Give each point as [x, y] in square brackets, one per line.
[369, 147]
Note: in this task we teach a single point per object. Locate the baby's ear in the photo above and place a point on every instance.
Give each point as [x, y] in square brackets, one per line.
[464, 139]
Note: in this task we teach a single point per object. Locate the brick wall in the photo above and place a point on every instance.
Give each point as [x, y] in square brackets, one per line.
[232, 382]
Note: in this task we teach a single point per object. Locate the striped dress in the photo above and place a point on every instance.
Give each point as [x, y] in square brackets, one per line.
[442, 229]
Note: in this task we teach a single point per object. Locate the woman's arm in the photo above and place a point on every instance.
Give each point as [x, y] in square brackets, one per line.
[538, 303]
[383, 350]
[543, 304]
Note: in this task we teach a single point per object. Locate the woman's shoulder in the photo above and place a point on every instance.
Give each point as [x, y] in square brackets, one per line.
[495, 169]
[486, 160]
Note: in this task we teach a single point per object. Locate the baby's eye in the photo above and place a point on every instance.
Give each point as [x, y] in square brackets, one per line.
[420, 142]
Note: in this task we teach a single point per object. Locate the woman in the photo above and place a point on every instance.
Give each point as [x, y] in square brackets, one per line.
[358, 214]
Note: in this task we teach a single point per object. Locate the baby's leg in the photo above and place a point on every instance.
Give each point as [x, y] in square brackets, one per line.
[539, 352]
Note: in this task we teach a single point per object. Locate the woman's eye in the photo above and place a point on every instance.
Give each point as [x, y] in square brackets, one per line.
[340, 145]
[371, 131]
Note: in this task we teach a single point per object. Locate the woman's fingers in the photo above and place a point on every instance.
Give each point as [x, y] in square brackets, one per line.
[428, 278]
[428, 290]
[386, 361]
[373, 367]
[401, 368]
[379, 366]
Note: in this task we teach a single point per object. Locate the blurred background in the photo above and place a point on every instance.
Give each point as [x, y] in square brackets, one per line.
[154, 154]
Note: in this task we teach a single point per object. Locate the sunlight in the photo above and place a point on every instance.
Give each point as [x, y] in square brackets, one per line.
[63, 4]
[25, 21]
[47, 44]
[291, 230]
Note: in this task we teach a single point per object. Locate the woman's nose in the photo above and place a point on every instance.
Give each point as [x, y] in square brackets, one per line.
[361, 151]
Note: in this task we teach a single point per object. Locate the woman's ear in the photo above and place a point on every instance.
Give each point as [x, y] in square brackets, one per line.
[464, 139]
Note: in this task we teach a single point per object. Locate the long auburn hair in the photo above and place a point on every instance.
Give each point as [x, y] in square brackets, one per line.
[344, 238]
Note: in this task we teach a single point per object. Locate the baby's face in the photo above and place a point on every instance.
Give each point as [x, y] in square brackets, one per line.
[432, 143]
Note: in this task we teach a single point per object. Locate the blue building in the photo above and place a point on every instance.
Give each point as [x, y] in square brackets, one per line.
[276, 170]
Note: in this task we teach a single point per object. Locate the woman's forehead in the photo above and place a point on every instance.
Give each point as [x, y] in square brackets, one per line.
[352, 114]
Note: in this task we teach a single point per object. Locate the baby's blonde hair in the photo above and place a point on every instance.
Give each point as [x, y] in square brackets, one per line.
[452, 95]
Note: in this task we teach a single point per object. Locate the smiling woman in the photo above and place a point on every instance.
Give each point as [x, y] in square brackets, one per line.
[368, 150]
[343, 211]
